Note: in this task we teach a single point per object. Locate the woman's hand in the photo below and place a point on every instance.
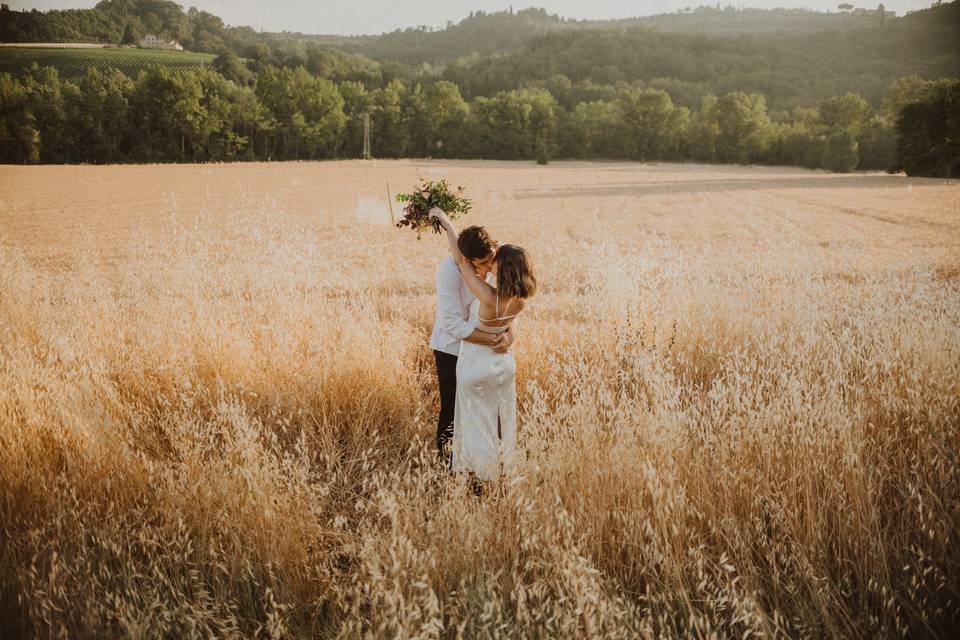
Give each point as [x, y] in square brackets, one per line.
[503, 342]
[438, 214]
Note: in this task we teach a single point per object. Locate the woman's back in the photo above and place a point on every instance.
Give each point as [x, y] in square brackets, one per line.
[498, 318]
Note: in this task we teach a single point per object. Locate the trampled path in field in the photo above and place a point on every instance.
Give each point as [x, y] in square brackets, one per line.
[54, 213]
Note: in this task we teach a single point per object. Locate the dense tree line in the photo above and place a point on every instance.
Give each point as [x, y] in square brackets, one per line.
[487, 53]
[548, 88]
[290, 113]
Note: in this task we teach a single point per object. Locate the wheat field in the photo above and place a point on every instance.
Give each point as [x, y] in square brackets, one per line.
[739, 397]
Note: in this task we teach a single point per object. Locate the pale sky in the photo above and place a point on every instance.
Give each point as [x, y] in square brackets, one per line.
[377, 16]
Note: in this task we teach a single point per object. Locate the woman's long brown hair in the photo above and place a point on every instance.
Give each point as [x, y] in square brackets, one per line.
[515, 277]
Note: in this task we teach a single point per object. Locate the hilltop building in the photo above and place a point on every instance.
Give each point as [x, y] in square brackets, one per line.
[151, 41]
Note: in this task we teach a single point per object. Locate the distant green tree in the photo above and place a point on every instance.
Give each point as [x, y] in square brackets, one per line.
[418, 125]
[543, 152]
[877, 145]
[848, 112]
[18, 127]
[307, 111]
[542, 124]
[904, 91]
[45, 103]
[11, 98]
[744, 127]
[390, 133]
[795, 143]
[97, 117]
[840, 153]
[168, 118]
[805, 116]
[703, 132]
[653, 128]
[928, 133]
[495, 126]
[28, 140]
[511, 123]
[131, 34]
[320, 62]
[356, 101]
[587, 91]
[231, 119]
[259, 56]
[231, 67]
[206, 32]
[152, 23]
[559, 87]
[248, 118]
[444, 112]
[594, 130]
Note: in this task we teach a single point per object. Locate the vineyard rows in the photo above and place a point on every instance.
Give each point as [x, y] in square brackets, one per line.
[72, 64]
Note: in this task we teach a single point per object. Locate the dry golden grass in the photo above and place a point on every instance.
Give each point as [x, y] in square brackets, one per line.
[739, 402]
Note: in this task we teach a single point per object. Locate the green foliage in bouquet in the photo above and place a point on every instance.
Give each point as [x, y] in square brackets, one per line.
[426, 196]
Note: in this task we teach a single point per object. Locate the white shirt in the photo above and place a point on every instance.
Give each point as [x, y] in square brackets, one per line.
[452, 323]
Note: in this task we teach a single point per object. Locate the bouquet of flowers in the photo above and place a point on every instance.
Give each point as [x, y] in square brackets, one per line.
[426, 196]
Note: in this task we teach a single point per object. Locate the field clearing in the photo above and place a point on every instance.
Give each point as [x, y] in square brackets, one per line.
[873, 219]
[739, 402]
[72, 63]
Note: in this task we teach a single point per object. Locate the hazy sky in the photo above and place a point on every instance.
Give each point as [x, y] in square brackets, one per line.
[377, 16]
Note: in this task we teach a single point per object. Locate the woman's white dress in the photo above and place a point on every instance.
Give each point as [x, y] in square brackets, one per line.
[485, 414]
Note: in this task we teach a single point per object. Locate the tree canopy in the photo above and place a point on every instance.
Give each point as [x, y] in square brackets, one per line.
[499, 85]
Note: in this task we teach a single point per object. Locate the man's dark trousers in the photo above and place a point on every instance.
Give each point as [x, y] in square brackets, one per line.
[447, 377]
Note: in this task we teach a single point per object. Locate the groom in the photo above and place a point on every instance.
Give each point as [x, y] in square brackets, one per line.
[453, 324]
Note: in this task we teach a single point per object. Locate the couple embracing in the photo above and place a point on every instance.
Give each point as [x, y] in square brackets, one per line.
[481, 289]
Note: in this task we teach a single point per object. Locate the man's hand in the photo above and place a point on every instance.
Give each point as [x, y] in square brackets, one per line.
[503, 342]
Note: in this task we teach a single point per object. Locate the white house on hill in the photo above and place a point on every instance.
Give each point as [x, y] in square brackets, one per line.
[151, 41]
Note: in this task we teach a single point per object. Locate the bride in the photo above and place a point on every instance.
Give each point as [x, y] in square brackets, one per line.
[485, 412]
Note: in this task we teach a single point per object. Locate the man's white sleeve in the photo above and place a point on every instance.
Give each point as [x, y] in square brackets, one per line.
[448, 303]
